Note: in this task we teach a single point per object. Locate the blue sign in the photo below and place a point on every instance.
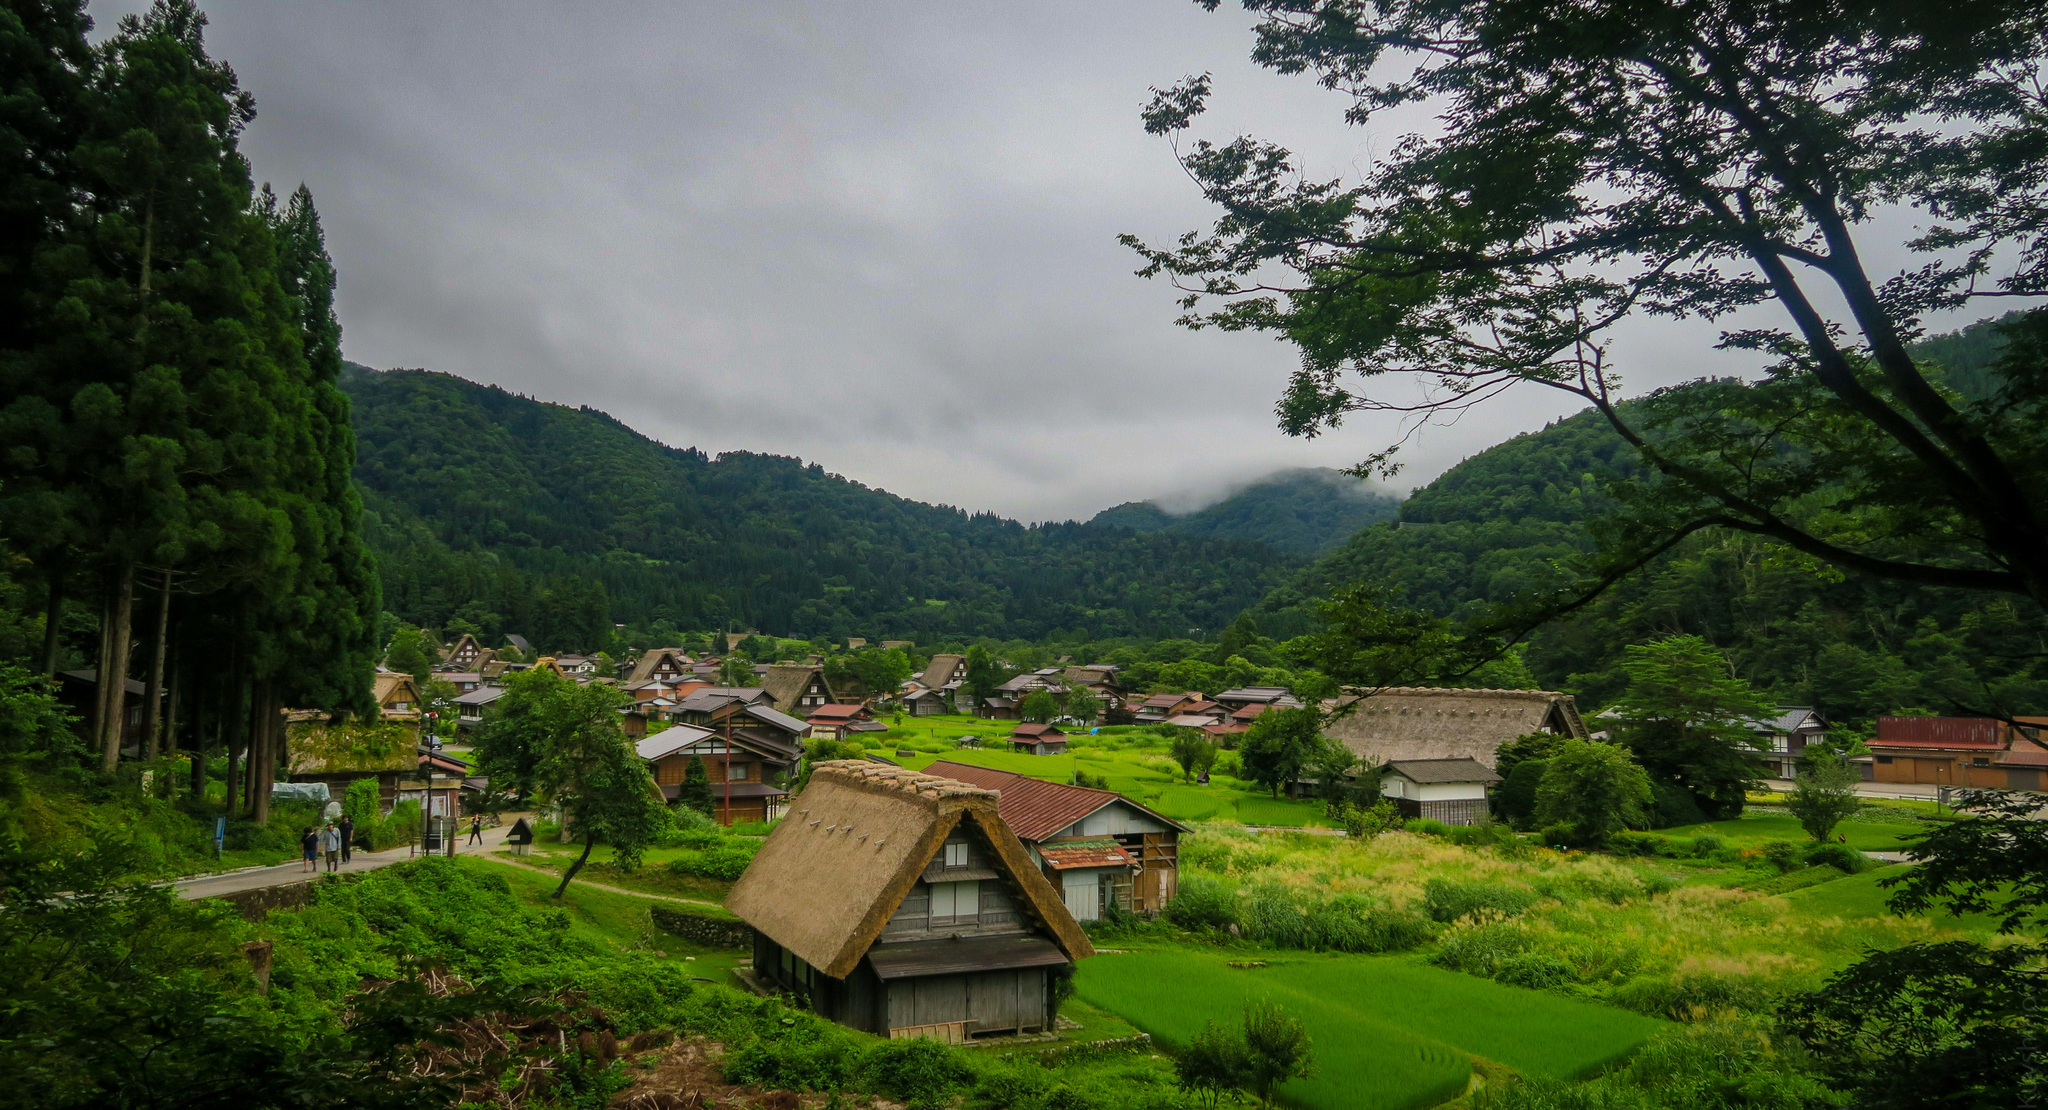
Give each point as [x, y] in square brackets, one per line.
[220, 834]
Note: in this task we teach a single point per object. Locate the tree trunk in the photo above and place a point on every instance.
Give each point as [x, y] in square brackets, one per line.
[589, 842]
[232, 720]
[177, 684]
[113, 669]
[265, 766]
[152, 695]
[201, 750]
[53, 624]
[252, 722]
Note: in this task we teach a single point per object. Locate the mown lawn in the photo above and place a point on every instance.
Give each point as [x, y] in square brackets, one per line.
[1389, 1034]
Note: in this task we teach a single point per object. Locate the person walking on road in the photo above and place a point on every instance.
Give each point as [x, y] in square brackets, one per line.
[348, 836]
[309, 842]
[476, 829]
[330, 839]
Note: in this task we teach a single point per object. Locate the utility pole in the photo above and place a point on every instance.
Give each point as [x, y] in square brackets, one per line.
[727, 766]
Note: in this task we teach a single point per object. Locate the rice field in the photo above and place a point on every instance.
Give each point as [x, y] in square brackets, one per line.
[1389, 1034]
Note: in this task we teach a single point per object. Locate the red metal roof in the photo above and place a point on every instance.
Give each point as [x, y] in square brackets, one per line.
[1940, 733]
[2024, 753]
[1033, 808]
[836, 711]
[1037, 731]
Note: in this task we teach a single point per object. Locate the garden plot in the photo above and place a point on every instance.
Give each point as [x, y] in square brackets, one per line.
[1388, 1034]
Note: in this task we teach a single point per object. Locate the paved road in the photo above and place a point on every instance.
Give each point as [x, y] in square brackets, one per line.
[285, 874]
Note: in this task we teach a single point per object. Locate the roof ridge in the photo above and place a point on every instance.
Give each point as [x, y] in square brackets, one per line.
[900, 780]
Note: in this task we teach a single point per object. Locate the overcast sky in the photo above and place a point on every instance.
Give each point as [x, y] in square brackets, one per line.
[877, 236]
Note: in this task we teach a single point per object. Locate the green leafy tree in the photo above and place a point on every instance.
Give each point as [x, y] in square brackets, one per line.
[580, 760]
[1279, 745]
[1333, 766]
[409, 653]
[1195, 752]
[1213, 1064]
[736, 671]
[1276, 1049]
[695, 792]
[1597, 166]
[1593, 789]
[1691, 722]
[880, 673]
[1080, 705]
[1824, 794]
[1039, 707]
[1514, 800]
[984, 674]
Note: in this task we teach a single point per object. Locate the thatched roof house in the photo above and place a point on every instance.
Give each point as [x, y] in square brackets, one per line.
[901, 903]
[660, 665]
[1420, 722]
[796, 688]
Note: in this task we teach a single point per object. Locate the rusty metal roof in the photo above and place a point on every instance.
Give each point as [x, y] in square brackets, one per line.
[1069, 855]
[1034, 808]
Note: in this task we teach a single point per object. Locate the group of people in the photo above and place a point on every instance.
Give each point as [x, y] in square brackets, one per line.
[335, 841]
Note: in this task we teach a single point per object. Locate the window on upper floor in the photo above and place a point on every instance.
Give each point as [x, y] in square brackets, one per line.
[956, 853]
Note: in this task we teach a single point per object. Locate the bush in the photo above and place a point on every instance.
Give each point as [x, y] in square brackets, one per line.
[1706, 844]
[1691, 995]
[1486, 834]
[920, 1073]
[1203, 903]
[724, 863]
[1447, 900]
[1634, 844]
[1480, 945]
[1672, 805]
[1839, 856]
[1272, 916]
[1515, 797]
[363, 803]
[1783, 855]
[1427, 826]
[1535, 970]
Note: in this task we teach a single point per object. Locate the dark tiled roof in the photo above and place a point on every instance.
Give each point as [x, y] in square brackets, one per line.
[1442, 770]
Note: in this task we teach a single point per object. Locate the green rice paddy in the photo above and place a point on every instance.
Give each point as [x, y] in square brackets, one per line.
[1756, 828]
[1389, 1034]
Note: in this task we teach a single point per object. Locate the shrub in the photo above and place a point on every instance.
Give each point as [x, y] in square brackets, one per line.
[1706, 844]
[1535, 970]
[1449, 899]
[1515, 797]
[922, 1074]
[1203, 903]
[725, 863]
[1486, 834]
[1272, 916]
[1350, 923]
[1672, 805]
[363, 803]
[1634, 844]
[1690, 995]
[1839, 856]
[1783, 855]
[1427, 826]
[1479, 945]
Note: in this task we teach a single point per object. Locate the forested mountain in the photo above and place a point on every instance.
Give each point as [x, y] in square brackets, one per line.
[1497, 524]
[1303, 512]
[521, 516]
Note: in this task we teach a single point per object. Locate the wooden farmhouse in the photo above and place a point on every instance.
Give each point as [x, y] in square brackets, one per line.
[1975, 752]
[1038, 740]
[744, 773]
[1404, 723]
[901, 904]
[338, 753]
[1097, 846]
[467, 654]
[664, 665]
[841, 721]
[1449, 790]
[1786, 737]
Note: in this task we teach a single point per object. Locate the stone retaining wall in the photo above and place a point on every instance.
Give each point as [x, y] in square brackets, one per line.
[257, 904]
[711, 932]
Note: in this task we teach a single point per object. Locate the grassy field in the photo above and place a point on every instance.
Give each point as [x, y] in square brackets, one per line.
[1132, 761]
[618, 920]
[1756, 828]
[1389, 1034]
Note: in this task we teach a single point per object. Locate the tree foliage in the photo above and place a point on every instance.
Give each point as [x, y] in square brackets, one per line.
[1690, 721]
[1593, 789]
[1824, 794]
[1280, 745]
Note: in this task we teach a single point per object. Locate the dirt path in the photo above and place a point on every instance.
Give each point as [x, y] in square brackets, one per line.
[498, 857]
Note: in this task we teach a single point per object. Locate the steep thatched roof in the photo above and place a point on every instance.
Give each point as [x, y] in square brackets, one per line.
[1416, 722]
[855, 842]
[643, 668]
[940, 670]
[785, 682]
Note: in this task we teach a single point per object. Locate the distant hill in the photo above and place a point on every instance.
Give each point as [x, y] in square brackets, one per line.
[556, 522]
[1302, 512]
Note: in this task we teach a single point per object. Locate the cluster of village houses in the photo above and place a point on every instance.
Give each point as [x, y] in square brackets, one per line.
[945, 903]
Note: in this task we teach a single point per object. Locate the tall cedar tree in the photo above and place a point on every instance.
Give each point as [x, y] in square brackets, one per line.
[1612, 160]
[1692, 722]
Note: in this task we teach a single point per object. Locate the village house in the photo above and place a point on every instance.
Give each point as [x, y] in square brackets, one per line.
[944, 672]
[744, 774]
[1030, 682]
[519, 644]
[578, 667]
[471, 707]
[319, 750]
[664, 665]
[1160, 708]
[1244, 697]
[764, 724]
[1974, 752]
[466, 654]
[934, 922]
[996, 707]
[1096, 846]
[1786, 737]
[1449, 790]
[840, 720]
[463, 681]
[1038, 739]
[698, 708]
[79, 691]
[1100, 680]
[797, 688]
[1403, 722]
[922, 701]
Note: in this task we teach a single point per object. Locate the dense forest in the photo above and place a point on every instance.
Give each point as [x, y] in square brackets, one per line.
[1510, 521]
[1302, 512]
[518, 516]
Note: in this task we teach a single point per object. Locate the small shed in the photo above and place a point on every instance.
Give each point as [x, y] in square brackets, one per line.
[1449, 790]
[933, 922]
[1038, 740]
